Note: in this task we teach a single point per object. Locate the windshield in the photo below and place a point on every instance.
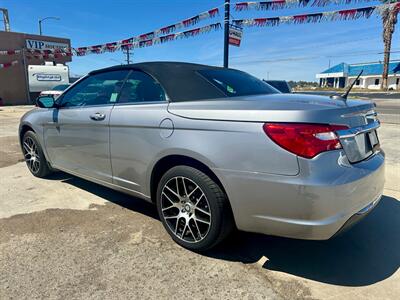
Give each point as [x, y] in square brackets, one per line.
[237, 83]
[60, 87]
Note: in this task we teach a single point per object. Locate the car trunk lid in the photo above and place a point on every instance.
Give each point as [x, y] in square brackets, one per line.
[359, 142]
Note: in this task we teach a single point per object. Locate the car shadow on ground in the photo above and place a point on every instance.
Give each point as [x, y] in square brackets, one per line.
[367, 253]
[121, 199]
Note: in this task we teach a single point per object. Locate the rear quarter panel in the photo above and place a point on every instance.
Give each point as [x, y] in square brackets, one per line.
[240, 146]
[138, 143]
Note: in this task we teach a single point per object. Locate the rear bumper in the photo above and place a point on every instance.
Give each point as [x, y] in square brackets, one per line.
[358, 216]
[315, 204]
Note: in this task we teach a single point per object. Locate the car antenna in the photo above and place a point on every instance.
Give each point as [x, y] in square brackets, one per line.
[345, 95]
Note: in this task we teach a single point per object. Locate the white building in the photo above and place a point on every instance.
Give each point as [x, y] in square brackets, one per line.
[343, 74]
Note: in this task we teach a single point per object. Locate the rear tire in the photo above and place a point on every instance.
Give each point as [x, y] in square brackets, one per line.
[34, 156]
[193, 208]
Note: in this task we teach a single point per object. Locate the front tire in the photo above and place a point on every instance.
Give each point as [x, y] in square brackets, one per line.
[34, 156]
[193, 208]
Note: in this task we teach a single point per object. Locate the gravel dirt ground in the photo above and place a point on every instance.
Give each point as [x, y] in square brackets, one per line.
[66, 238]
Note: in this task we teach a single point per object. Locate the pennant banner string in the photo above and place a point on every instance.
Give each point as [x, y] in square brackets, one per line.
[347, 14]
[135, 41]
[43, 54]
[212, 13]
[10, 52]
[46, 56]
[7, 65]
[151, 42]
[281, 4]
[270, 5]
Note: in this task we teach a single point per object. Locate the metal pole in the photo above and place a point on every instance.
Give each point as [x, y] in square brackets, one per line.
[226, 33]
[25, 69]
[6, 19]
[47, 18]
[128, 55]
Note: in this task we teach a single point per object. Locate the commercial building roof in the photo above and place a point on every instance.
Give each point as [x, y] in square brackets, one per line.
[373, 69]
[369, 69]
[340, 68]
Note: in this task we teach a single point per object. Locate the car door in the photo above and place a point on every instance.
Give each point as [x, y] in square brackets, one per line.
[77, 138]
[135, 132]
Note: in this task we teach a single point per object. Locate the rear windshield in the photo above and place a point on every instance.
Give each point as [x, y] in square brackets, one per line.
[282, 86]
[235, 83]
[60, 87]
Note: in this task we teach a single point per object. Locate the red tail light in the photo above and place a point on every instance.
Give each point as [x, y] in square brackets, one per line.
[305, 140]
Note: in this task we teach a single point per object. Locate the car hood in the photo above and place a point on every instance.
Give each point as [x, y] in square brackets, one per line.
[275, 108]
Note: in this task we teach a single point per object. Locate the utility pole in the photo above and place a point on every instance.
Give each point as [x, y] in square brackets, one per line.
[389, 20]
[128, 54]
[226, 33]
[6, 19]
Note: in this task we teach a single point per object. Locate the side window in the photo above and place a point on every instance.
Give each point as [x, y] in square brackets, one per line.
[98, 89]
[141, 87]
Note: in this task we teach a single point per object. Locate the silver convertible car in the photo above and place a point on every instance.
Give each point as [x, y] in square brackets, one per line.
[215, 149]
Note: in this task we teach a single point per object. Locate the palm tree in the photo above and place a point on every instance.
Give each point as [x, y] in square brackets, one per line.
[389, 19]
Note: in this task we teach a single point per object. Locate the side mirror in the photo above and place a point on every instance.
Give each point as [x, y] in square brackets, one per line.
[45, 102]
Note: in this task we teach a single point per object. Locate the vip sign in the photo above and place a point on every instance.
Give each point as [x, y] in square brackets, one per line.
[235, 35]
[44, 45]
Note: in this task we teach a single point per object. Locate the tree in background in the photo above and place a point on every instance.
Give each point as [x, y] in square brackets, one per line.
[389, 19]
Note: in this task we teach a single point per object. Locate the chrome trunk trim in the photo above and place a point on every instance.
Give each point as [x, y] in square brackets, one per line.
[352, 132]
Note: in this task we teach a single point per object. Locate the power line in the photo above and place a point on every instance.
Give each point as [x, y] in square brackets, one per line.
[281, 59]
[314, 45]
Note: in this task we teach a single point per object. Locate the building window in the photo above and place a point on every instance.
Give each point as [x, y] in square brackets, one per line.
[377, 81]
[397, 81]
[358, 81]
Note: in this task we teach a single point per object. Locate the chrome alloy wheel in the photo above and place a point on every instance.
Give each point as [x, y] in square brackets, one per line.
[186, 209]
[31, 155]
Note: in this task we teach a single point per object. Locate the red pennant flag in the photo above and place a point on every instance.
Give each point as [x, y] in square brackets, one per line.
[348, 13]
[300, 19]
[260, 21]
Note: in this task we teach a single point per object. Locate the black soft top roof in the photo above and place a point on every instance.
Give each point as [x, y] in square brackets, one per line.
[180, 80]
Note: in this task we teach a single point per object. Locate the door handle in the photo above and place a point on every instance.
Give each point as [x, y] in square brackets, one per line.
[98, 117]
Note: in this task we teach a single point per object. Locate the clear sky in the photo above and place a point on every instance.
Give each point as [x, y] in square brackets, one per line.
[291, 52]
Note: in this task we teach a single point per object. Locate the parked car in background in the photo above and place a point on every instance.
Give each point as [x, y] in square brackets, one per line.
[214, 149]
[55, 91]
[280, 85]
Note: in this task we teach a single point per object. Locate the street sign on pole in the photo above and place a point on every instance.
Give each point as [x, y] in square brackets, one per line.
[235, 35]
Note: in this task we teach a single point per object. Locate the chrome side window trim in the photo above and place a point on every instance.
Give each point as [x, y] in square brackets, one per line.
[142, 103]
